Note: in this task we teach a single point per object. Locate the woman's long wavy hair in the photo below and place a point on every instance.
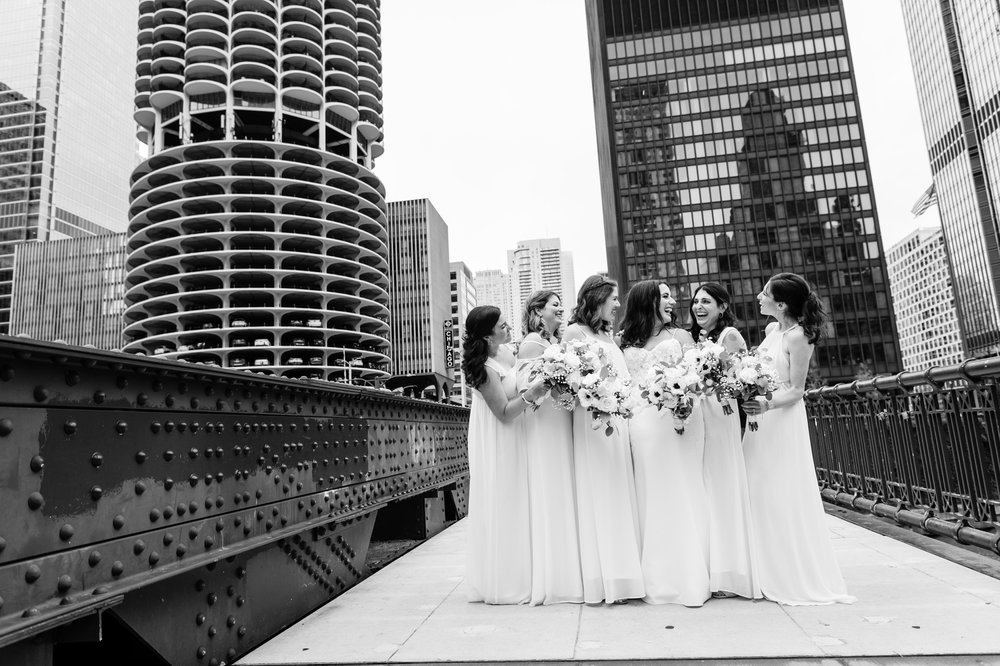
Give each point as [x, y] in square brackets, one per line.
[642, 314]
[726, 318]
[531, 320]
[594, 292]
[802, 302]
[475, 348]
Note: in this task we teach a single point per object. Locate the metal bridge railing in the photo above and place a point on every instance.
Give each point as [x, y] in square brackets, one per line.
[921, 448]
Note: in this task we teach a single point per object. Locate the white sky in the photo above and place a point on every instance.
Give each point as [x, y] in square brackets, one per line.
[489, 113]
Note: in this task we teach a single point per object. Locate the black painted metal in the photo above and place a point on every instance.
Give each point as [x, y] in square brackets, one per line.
[125, 480]
[920, 448]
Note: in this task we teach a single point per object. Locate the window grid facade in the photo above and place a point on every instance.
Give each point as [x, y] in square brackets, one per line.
[493, 287]
[538, 264]
[732, 148]
[924, 301]
[419, 288]
[955, 51]
[70, 290]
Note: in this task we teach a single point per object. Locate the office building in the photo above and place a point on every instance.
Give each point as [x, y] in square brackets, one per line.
[731, 148]
[420, 296]
[955, 51]
[257, 233]
[493, 287]
[463, 299]
[539, 264]
[67, 137]
[70, 290]
[924, 301]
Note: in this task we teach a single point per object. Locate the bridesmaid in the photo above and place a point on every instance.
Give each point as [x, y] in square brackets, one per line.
[731, 564]
[605, 485]
[673, 516]
[548, 436]
[791, 541]
[498, 564]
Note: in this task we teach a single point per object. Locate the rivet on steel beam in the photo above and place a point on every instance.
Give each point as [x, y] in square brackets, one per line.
[138, 546]
[6, 373]
[169, 426]
[32, 574]
[181, 550]
[118, 522]
[168, 512]
[231, 621]
[241, 632]
[168, 483]
[211, 598]
[212, 631]
[240, 601]
[154, 515]
[201, 652]
[96, 459]
[69, 427]
[194, 403]
[35, 501]
[192, 507]
[140, 487]
[117, 569]
[199, 619]
[66, 532]
[154, 557]
[168, 538]
[41, 394]
[141, 399]
[169, 400]
[37, 464]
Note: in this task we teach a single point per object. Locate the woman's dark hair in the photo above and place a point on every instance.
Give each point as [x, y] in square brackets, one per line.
[802, 302]
[594, 292]
[642, 314]
[726, 318]
[531, 321]
[475, 349]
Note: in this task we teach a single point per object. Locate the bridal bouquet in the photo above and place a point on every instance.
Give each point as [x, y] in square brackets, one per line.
[711, 362]
[673, 382]
[564, 366]
[750, 375]
[605, 395]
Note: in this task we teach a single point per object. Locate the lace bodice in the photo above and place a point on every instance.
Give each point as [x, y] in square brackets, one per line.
[640, 362]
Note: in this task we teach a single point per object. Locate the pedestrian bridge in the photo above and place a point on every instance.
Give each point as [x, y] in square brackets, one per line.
[153, 510]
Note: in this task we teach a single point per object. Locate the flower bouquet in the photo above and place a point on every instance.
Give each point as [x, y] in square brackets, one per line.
[673, 383]
[711, 362]
[563, 367]
[750, 375]
[605, 395]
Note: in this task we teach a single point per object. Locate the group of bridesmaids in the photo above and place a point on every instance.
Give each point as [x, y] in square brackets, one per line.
[562, 513]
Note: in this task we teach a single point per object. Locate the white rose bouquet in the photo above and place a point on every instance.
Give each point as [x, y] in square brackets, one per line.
[750, 375]
[711, 362]
[563, 366]
[673, 382]
[605, 395]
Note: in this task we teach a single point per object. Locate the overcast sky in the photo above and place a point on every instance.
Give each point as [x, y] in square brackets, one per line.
[489, 113]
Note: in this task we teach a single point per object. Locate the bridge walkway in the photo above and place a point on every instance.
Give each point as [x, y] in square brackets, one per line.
[913, 607]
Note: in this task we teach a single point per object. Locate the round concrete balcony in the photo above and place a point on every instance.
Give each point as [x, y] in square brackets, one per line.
[268, 257]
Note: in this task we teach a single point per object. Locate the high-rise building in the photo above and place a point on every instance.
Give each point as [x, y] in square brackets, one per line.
[538, 264]
[70, 290]
[955, 52]
[731, 148]
[463, 299]
[258, 236]
[419, 292]
[493, 287]
[67, 137]
[924, 301]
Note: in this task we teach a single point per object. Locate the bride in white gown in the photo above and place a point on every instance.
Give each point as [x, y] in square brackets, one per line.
[672, 505]
[790, 538]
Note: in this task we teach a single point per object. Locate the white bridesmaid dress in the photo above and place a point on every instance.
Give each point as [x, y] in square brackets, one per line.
[731, 563]
[498, 553]
[673, 516]
[791, 543]
[606, 504]
[555, 544]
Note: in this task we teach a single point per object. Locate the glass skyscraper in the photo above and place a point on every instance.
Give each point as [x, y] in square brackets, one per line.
[955, 51]
[67, 136]
[731, 148]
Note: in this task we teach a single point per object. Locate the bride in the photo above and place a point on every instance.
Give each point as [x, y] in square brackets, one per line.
[668, 465]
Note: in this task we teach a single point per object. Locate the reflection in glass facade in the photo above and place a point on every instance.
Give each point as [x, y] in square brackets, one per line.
[67, 136]
[955, 50]
[732, 148]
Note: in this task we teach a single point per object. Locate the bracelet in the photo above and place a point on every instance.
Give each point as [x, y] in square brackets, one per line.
[525, 400]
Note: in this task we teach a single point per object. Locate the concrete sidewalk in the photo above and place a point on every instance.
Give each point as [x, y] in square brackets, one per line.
[910, 603]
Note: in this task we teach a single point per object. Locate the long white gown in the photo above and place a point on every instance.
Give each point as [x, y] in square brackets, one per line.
[606, 505]
[555, 544]
[673, 513]
[791, 543]
[731, 565]
[498, 553]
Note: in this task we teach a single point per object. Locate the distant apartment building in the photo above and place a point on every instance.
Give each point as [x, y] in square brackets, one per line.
[463, 299]
[420, 313]
[67, 133]
[70, 290]
[924, 301]
[538, 264]
[493, 288]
